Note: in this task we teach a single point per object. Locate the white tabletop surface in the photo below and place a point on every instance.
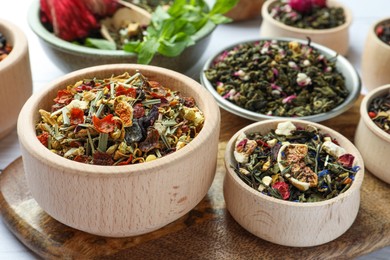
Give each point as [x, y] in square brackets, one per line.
[365, 13]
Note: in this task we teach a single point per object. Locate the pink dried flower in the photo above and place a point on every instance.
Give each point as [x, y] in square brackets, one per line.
[289, 99]
[306, 6]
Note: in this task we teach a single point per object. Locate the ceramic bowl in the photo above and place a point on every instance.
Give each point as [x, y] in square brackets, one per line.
[336, 38]
[119, 201]
[373, 142]
[375, 59]
[69, 57]
[284, 222]
[352, 82]
[15, 77]
[245, 10]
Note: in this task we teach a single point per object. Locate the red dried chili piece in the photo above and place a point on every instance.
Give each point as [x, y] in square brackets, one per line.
[76, 116]
[63, 97]
[130, 92]
[282, 187]
[128, 161]
[371, 114]
[75, 144]
[44, 138]
[104, 125]
[138, 111]
[81, 158]
[83, 87]
[100, 158]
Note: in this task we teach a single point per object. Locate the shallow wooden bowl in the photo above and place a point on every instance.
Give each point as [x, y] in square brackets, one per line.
[284, 222]
[372, 142]
[15, 77]
[375, 59]
[336, 38]
[245, 10]
[119, 201]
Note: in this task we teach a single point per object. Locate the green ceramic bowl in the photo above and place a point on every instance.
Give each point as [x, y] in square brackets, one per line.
[70, 57]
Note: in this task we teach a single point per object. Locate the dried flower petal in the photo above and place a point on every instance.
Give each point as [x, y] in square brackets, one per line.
[104, 125]
[283, 189]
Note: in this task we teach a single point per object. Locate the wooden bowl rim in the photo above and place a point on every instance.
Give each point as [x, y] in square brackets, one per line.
[347, 12]
[382, 90]
[356, 184]
[28, 139]
[18, 41]
[372, 33]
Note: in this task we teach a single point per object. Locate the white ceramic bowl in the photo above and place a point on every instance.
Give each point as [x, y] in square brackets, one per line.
[373, 142]
[352, 82]
[15, 77]
[285, 222]
[70, 57]
[375, 59]
[336, 38]
[119, 201]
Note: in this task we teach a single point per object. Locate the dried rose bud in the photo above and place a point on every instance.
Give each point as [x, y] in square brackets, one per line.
[306, 6]
[301, 6]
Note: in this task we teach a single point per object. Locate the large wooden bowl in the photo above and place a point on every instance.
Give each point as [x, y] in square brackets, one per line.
[119, 201]
[371, 140]
[284, 222]
[15, 77]
[336, 38]
[375, 59]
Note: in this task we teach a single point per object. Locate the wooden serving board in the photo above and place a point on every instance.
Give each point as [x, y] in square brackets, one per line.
[206, 232]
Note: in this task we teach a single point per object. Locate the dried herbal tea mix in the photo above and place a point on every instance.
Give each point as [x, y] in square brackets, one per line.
[118, 121]
[5, 48]
[295, 164]
[379, 112]
[383, 32]
[278, 78]
[308, 14]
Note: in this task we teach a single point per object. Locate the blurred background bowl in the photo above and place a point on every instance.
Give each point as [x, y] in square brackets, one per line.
[15, 77]
[119, 201]
[336, 38]
[69, 57]
[285, 222]
[372, 141]
[352, 82]
[245, 10]
[375, 59]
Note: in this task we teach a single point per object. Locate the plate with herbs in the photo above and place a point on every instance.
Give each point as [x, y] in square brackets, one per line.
[293, 182]
[281, 78]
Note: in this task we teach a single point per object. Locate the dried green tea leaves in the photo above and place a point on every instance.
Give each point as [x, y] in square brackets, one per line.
[295, 164]
[277, 78]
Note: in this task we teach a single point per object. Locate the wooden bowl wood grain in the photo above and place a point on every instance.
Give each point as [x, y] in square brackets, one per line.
[375, 59]
[119, 201]
[336, 38]
[15, 77]
[285, 222]
[371, 140]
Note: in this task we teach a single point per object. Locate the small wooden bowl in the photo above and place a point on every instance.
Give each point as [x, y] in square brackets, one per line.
[375, 59]
[372, 142]
[15, 77]
[336, 38]
[119, 201]
[245, 10]
[284, 222]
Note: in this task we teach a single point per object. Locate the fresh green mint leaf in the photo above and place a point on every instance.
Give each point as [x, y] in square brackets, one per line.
[223, 6]
[132, 46]
[219, 19]
[148, 50]
[172, 49]
[100, 44]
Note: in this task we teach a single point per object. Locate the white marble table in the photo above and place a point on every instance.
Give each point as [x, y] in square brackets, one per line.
[44, 70]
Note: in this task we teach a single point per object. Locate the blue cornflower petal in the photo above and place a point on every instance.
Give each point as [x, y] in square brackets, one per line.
[323, 173]
[355, 168]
